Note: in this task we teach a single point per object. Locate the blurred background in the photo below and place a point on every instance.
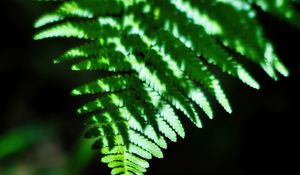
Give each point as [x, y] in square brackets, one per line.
[40, 133]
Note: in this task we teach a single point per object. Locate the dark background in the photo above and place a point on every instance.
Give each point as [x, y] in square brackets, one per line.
[260, 137]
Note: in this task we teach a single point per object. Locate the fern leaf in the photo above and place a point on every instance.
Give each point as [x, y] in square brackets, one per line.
[81, 9]
[161, 58]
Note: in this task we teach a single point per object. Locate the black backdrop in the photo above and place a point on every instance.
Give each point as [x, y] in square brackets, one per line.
[260, 137]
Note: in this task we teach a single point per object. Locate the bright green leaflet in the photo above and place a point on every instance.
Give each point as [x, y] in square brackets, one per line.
[159, 54]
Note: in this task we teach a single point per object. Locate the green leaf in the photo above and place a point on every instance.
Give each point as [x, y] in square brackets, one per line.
[161, 60]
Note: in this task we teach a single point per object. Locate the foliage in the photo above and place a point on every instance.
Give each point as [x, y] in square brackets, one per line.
[159, 56]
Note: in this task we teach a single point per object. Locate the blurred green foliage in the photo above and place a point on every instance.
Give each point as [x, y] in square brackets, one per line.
[18, 139]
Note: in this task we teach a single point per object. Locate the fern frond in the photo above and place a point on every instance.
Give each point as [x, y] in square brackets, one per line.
[161, 57]
[92, 30]
[282, 9]
[81, 9]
